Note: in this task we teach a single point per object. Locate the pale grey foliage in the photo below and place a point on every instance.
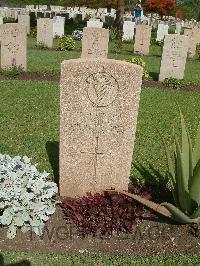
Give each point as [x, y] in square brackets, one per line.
[26, 195]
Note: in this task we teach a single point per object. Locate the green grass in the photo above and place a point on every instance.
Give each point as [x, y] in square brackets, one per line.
[48, 61]
[30, 117]
[51, 260]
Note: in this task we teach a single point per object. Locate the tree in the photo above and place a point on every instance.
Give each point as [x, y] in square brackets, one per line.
[162, 7]
[191, 9]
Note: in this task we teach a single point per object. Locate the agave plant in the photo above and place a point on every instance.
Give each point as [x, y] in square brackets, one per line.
[185, 177]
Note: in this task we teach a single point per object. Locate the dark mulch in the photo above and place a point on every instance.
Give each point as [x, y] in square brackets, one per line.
[52, 77]
[159, 85]
[148, 238]
[32, 76]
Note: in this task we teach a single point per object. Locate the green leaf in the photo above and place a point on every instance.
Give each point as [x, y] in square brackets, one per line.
[178, 215]
[196, 151]
[195, 184]
[196, 213]
[185, 152]
[182, 185]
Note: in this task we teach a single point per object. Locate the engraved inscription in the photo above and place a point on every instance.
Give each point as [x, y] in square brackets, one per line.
[102, 89]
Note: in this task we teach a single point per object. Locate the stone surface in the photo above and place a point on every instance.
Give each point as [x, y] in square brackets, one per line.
[95, 43]
[192, 36]
[1, 20]
[162, 31]
[58, 26]
[95, 23]
[178, 27]
[99, 107]
[128, 30]
[45, 32]
[142, 39]
[13, 39]
[25, 21]
[174, 57]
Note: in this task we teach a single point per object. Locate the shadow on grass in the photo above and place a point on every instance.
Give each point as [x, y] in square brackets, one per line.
[156, 183]
[21, 263]
[52, 148]
[154, 75]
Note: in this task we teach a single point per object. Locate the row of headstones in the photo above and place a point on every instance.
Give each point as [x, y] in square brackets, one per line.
[95, 45]
[175, 51]
[74, 13]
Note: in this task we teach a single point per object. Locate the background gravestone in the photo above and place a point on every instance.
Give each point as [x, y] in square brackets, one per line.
[142, 39]
[25, 21]
[13, 46]
[162, 31]
[58, 26]
[99, 107]
[45, 32]
[94, 23]
[192, 36]
[174, 57]
[95, 43]
[128, 30]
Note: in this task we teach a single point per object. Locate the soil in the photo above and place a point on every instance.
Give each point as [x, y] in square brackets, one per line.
[32, 76]
[52, 77]
[148, 238]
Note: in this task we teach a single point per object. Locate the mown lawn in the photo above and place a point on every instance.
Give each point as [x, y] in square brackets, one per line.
[30, 122]
[54, 260]
[49, 61]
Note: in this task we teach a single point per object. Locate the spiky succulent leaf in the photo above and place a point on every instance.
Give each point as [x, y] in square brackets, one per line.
[185, 153]
[196, 151]
[182, 185]
[196, 213]
[195, 184]
[178, 215]
[26, 195]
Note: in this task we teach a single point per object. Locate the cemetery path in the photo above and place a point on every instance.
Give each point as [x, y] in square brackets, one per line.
[148, 238]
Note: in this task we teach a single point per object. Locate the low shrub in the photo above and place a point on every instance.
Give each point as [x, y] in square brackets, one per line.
[33, 32]
[158, 43]
[105, 214]
[77, 35]
[174, 83]
[26, 195]
[13, 71]
[42, 46]
[65, 43]
[9, 20]
[198, 50]
[139, 61]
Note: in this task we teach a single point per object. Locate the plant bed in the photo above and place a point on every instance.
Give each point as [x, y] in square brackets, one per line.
[158, 237]
[31, 76]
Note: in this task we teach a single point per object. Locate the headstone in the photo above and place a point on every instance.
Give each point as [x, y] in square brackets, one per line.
[58, 26]
[94, 24]
[174, 57]
[178, 27]
[191, 34]
[25, 20]
[162, 31]
[13, 46]
[45, 32]
[1, 20]
[128, 30]
[99, 107]
[142, 39]
[95, 43]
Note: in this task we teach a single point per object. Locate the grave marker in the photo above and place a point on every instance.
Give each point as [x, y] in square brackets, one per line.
[99, 107]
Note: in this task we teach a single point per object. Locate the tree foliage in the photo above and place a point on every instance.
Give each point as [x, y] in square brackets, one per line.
[162, 7]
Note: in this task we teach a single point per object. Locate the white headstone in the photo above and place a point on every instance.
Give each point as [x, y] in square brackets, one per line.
[128, 30]
[94, 24]
[162, 31]
[58, 26]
